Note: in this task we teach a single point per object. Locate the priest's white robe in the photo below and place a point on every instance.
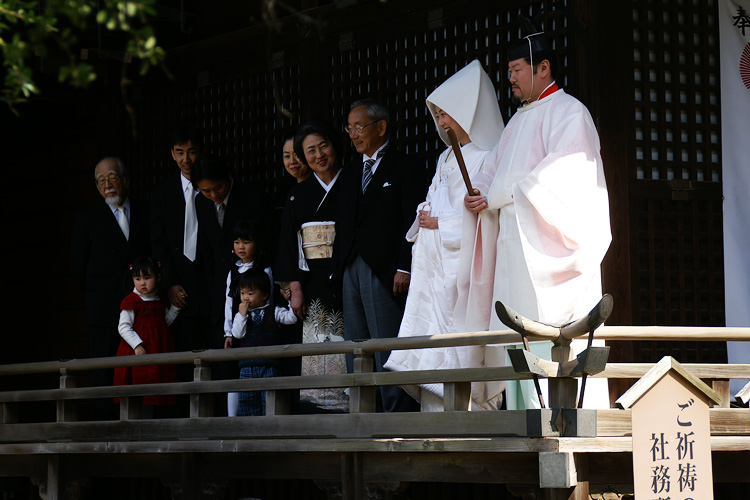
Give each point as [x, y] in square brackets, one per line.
[539, 246]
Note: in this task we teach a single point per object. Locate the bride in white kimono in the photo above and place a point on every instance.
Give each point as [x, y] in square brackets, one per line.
[467, 104]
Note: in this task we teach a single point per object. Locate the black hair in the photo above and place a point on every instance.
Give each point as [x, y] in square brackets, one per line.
[185, 133]
[250, 230]
[255, 278]
[289, 135]
[143, 266]
[324, 130]
[209, 167]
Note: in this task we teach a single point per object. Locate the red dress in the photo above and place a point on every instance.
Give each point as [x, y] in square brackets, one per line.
[151, 326]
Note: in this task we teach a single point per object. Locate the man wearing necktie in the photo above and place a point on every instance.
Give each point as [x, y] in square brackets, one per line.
[371, 259]
[107, 237]
[222, 203]
[174, 239]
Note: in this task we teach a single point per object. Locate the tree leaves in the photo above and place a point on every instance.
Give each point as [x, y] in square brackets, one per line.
[29, 30]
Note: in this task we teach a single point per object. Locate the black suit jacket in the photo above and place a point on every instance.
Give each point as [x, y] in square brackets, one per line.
[167, 226]
[100, 258]
[374, 225]
[245, 203]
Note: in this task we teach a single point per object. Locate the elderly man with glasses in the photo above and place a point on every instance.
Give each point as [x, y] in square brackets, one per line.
[380, 192]
[107, 237]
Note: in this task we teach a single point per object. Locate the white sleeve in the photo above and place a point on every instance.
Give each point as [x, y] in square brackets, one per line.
[285, 316]
[411, 234]
[171, 314]
[228, 308]
[127, 316]
[239, 326]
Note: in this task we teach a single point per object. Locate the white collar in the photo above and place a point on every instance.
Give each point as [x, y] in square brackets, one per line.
[153, 296]
[328, 186]
[185, 183]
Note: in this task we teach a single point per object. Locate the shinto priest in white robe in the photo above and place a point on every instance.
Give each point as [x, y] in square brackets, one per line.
[469, 98]
[538, 248]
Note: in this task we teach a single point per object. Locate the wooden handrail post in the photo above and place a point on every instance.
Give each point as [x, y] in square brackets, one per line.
[201, 405]
[362, 399]
[131, 408]
[278, 402]
[562, 390]
[67, 410]
[8, 413]
[721, 385]
[457, 396]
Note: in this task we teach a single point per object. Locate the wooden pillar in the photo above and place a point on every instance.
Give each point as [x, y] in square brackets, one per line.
[352, 481]
[362, 399]
[67, 410]
[201, 405]
[54, 491]
[563, 476]
[562, 390]
[188, 480]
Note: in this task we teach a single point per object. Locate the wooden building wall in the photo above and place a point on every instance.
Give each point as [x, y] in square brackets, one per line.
[648, 70]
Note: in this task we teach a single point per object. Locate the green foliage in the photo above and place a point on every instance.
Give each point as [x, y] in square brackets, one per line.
[29, 29]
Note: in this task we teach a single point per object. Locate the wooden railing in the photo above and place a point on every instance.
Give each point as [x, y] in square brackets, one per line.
[341, 438]
[361, 383]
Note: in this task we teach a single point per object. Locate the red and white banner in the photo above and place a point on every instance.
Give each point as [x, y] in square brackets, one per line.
[734, 31]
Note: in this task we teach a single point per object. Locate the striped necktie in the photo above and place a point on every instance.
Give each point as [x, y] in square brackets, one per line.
[367, 170]
[220, 210]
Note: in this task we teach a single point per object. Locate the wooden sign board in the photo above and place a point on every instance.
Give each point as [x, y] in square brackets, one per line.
[671, 436]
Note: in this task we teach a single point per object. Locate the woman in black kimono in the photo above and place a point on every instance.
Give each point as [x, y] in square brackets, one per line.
[304, 258]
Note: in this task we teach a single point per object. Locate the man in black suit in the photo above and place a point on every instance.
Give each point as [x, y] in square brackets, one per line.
[223, 202]
[174, 239]
[107, 237]
[372, 259]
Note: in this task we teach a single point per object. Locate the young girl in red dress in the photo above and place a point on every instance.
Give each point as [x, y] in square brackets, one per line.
[144, 327]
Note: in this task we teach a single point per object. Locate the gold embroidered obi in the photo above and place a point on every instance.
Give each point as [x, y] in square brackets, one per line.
[317, 239]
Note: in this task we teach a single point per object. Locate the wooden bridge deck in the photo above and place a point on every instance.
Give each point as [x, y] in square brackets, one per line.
[349, 451]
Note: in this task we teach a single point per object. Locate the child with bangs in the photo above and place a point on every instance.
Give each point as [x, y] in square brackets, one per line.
[144, 327]
[256, 323]
[249, 248]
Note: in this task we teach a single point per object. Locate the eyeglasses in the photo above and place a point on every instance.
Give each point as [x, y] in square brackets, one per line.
[358, 128]
[111, 179]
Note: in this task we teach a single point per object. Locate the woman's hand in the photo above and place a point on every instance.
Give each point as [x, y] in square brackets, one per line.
[139, 349]
[426, 221]
[297, 302]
